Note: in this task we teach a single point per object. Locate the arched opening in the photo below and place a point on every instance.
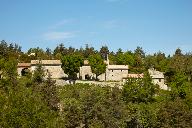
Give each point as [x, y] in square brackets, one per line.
[24, 71]
[87, 77]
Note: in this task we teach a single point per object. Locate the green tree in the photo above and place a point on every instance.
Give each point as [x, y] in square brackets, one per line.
[60, 49]
[157, 61]
[39, 53]
[180, 87]
[97, 64]
[139, 51]
[104, 51]
[24, 108]
[49, 91]
[174, 114]
[48, 53]
[92, 106]
[39, 73]
[139, 56]
[125, 58]
[139, 90]
[89, 51]
[71, 65]
[21, 105]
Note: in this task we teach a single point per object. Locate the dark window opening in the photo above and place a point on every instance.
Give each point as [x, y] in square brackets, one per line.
[87, 77]
[159, 80]
[24, 71]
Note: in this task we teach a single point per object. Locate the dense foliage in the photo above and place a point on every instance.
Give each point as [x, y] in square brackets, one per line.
[71, 65]
[35, 101]
[97, 64]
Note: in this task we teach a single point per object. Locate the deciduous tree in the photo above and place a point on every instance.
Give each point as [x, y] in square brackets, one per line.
[97, 64]
[71, 65]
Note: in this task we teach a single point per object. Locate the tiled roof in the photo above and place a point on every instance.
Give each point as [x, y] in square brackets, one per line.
[46, 62]
[120, 67]
[24, 65]
[135, 75]
[156, 74]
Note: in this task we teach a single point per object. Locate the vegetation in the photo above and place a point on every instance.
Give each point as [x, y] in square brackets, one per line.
[71, 65]
[34, 100]
[139, 90]
[97, 64]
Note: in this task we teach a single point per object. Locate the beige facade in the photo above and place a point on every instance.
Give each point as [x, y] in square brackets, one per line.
[158, 78]
[85, 72]
[23, 66]
[112, 73]
[116, 72]
[50, 66]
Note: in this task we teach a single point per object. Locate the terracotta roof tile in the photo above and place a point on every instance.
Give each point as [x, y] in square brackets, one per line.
[135, 75]
[46, 62]
[24, 65]
[120, 67]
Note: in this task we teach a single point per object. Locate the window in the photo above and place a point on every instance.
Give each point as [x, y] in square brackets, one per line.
[24, 71]
[112, 70]
[159, 80]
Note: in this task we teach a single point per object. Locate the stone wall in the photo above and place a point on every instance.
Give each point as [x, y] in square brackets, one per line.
[19, 71]
[115, 74]
[110, 84]
[160, 82]
[112, 73]
[109, 75]
[158, 78]
[85, 70]
[56, 71]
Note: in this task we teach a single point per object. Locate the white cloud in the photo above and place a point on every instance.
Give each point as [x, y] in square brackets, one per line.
[58, 35]
[61, 23]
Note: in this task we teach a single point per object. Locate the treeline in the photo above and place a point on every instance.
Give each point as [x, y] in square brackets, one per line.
[137, 60]
[33, 101]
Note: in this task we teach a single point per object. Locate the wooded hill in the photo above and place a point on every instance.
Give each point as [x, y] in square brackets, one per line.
[32, 101]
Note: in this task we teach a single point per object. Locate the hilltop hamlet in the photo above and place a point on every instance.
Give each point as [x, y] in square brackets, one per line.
[113, 73]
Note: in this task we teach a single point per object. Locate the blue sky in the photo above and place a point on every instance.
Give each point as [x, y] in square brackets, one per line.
[155, 25]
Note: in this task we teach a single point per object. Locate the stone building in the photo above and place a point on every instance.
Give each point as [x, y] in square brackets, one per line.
[50, 66]
[158, 78]
[116, 72]
[22, 67]
[112, 73]
[85, 72]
